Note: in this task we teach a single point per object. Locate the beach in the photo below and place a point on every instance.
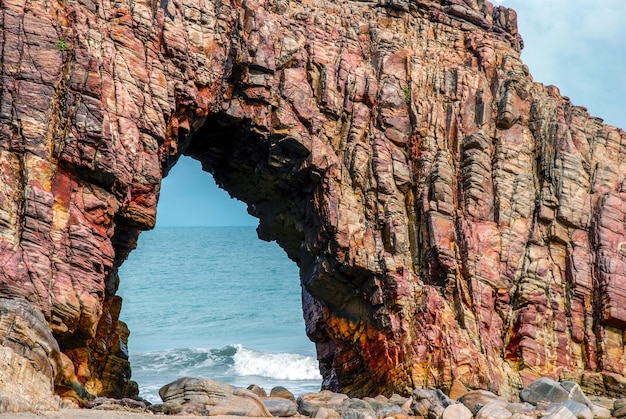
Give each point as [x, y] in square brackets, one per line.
[103, 414]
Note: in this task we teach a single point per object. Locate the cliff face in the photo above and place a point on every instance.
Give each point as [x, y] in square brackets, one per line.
[451, 218]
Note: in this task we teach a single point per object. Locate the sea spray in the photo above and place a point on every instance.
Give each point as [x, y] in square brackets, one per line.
[279, 366]
[233, 364]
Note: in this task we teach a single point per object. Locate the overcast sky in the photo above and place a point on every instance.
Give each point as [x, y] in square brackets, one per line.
[577, 45]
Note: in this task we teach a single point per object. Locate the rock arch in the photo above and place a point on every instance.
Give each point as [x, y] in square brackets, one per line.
[451, 218]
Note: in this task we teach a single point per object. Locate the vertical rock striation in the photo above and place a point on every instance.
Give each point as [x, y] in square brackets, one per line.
[452, 219]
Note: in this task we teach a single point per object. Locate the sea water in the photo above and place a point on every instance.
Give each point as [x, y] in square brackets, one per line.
[215, 302]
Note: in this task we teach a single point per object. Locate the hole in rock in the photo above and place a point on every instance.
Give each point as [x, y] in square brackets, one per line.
[204, 297]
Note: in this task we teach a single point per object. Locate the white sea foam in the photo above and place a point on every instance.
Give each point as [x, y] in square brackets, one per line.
[279, 366]
[233, 364]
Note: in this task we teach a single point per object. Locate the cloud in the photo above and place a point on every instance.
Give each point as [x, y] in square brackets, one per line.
[579, 47]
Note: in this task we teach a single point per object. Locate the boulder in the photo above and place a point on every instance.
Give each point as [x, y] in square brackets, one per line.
[579, 410]
[259, 391]
[494, 410]
[352, 413]
[619, 408]
[429, 403]
[599, 412]
[208, 397]
[282, 392]
[119, 405]
[308, 404]
[280, 407]
[457, 390]
[575, 391]
[475, 400]
[559, 412]
[324, 413]
[457, 411]
[361, 409]
[519, 407]
[544, 390]
[30, 360]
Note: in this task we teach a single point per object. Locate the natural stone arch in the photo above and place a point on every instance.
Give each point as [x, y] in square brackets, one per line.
[446, 212]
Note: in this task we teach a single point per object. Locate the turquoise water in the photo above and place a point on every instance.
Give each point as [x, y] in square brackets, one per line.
[215, 302]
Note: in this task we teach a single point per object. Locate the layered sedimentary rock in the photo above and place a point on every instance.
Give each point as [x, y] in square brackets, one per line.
[452, 219]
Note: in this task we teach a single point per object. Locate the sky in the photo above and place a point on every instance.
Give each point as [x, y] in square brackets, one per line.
[577, 45]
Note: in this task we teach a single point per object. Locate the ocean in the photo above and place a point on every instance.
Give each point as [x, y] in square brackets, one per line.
[215, 302]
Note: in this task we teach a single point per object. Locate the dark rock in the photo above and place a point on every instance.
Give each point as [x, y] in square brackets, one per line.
[280, 407]
[120, 405]
[544, 390]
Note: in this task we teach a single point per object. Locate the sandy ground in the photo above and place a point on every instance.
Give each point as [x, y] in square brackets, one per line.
[104, 414]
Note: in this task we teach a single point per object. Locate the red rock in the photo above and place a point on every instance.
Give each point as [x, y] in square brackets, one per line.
[454, 221]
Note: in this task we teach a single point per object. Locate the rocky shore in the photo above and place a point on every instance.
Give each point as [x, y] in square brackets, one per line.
[192, 397]
[453, 219]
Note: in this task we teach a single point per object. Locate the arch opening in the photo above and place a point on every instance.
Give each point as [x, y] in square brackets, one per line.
[212, 301]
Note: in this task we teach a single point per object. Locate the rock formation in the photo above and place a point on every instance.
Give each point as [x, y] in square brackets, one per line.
[452, 219]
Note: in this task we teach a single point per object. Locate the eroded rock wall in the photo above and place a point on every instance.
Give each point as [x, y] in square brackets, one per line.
[452, 219]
